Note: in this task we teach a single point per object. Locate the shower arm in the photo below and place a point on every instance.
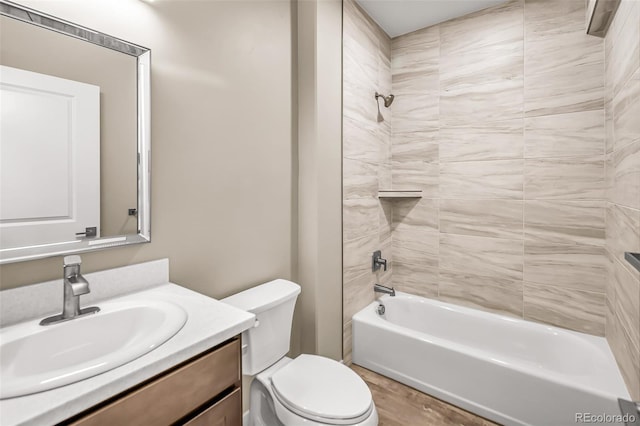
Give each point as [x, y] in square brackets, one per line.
[388, 100]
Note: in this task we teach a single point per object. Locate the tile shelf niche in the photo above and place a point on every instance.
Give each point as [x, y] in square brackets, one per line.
[400, 193]
[633, 259]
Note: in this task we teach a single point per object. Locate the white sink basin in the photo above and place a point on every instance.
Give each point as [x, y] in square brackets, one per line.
[35, 358]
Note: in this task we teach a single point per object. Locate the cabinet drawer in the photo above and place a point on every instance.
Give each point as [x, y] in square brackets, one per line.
[174, 395]
[226, 412]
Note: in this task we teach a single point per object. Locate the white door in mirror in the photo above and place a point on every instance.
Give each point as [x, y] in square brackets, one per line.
[53, 126]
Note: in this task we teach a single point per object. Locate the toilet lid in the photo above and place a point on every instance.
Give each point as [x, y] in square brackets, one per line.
[319, 387]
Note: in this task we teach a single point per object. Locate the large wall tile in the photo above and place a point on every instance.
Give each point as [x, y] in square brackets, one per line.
[496, 29]
[418, 278]
[360, 140]
[565, 222]
[359, 217]
[622, 46]
[627, 302]
[573, 309]
[414, 112]
[608, 124]
[499, 296]
[548, 52]
[496, 218]
[357, 258]
[414, 214]
[416, 174]
[544, 18]
[415, 61]
[626, 113]
[414, 145]
[469, 104]
[500, 179]
[559, 91]
[415, 231]
[576, 266]
[492, 258]
[567, 178]
[366, 159]
[565, 135]
[385, 210]
[501, 140]
[555, 36]
[381, 276]
[360, 179]
[357, 294]
[347, 343]
[556, 50]
[608, 176]
[628, 359]
[623, 233]
[479, 67]
[610, 297]
[416, 247]
[481, 58]
[625, 164]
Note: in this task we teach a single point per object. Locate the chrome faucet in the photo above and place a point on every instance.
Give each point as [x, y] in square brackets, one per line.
[74, 286]
[378, 288]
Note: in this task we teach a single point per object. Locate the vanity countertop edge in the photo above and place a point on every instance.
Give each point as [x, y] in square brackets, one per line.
[210, 322]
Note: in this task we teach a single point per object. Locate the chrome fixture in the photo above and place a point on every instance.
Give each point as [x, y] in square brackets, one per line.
[600, 14]
[378, 261]
[378, 288]
[380, 310]
[74, 286]
[633, 259]
[388, 100]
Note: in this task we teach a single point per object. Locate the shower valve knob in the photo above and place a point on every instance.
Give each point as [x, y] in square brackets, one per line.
[378, 261]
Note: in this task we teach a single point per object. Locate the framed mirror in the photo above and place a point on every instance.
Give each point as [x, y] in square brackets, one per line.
[75, 142]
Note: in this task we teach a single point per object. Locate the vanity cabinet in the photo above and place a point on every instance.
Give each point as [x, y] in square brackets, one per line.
[205, 390]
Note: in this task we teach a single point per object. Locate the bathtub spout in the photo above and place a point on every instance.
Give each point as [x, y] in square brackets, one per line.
[384, 289]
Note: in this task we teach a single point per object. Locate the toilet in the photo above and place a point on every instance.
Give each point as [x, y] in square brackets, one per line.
[307, 390]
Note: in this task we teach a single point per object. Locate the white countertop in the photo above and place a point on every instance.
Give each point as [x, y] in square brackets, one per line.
[209, 323]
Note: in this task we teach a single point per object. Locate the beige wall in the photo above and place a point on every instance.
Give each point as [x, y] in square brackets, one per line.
[366, 157]
[319, 168]
[223, 198]
[226, 161]
[221, 140]
[37, 49]
[622, 96]
[507, 145]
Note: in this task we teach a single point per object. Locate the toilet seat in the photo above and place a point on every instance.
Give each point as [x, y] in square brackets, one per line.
[322, 390]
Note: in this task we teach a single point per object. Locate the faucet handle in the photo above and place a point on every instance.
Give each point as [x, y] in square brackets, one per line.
[72, 260]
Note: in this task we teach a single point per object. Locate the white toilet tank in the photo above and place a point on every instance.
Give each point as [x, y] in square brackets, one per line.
[273, 304]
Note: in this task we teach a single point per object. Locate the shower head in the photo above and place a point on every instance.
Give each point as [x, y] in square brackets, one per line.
[388, 100]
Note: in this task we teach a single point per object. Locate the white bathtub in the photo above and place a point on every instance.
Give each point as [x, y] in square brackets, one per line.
[508, 370]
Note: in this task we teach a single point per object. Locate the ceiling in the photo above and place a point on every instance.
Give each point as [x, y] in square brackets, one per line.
[397, 17]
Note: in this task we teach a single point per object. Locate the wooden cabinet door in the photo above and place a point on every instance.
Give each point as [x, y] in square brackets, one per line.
[173, 396]
[226, 412]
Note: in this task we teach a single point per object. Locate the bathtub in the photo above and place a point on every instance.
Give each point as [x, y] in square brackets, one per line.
[511, 371]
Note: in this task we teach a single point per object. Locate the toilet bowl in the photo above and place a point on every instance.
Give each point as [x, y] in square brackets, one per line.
[310, 390]
[307, 390]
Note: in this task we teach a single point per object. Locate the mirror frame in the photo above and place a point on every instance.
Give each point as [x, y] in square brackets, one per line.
[143, 55]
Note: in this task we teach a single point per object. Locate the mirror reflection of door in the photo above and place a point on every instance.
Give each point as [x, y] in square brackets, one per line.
[49, 158]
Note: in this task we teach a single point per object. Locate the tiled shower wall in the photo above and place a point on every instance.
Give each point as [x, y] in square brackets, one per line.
[366, 161]
[622, 97]
[499, 119]
[527, 149]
